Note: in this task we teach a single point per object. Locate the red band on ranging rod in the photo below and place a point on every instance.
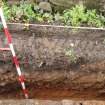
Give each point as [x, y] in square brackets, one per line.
[25, 91]
[16, 61]
[8, 35]
[21, 78]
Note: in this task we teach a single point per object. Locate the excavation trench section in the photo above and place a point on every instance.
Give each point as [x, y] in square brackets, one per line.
[58, 62]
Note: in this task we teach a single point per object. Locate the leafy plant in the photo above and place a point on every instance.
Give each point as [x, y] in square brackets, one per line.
[70, 53]
[16, 13]
[7, 11]
[78, 15]
[27, 11]
[39, 17]
[75, 16]
[23, 11]
[47, 17]
[93, 19]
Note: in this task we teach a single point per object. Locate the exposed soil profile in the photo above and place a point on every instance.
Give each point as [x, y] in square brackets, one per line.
[57, 63]
[55, 84]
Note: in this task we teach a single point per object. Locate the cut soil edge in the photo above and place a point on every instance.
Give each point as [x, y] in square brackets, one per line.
[49, 70]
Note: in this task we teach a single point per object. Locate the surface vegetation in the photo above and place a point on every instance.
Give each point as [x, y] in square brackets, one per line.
[75, 16]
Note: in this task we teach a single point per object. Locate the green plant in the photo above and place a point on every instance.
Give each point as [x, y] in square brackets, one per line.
[93, 19]
[16, 13]
[47, 17]
[79, 15]
[71, 54]
[23, 11]
[28, 12]
[75, 16]
[38, 17]
[7, 11]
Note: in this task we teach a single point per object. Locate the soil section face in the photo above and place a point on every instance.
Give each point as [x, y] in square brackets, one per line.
[57, 62]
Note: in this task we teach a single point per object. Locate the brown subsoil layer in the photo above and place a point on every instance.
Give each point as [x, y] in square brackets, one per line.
[88, 82]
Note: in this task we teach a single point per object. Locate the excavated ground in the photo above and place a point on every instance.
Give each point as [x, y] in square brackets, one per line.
[56, 84]
[49, 72]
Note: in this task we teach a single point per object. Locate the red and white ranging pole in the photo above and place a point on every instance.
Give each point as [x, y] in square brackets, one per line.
[16, 62]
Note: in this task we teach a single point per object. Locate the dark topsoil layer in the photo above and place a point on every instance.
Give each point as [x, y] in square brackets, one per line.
[50, 74]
